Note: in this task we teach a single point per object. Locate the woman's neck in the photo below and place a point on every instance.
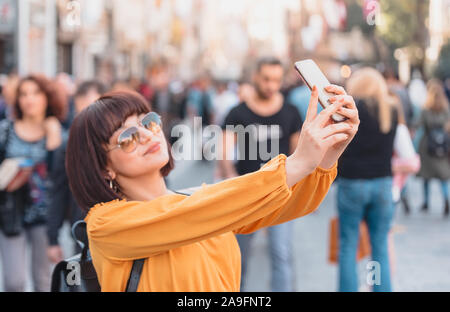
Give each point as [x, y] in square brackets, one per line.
[144, 188]
[33, 120]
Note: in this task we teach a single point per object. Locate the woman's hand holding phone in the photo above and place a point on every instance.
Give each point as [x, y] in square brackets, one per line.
[348, 110]
[322, 141]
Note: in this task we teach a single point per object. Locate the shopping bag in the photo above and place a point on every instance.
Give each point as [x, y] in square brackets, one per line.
[363, 245]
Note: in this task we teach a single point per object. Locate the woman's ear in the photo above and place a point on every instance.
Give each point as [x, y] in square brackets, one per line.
[110, 174]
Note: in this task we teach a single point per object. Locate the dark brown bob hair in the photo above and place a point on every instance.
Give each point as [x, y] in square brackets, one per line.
[56, 101]
[86, 156]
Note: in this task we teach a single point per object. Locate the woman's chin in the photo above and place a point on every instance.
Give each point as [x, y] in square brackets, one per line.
[158, 160]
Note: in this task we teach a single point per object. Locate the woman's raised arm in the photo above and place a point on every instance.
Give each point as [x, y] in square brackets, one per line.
[321, 141]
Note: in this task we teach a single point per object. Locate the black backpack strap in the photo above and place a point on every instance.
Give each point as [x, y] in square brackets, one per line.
[135, 275]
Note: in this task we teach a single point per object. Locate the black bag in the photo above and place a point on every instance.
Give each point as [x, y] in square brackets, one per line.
[12, 204]
[77, 274]
[438, 143]
[12, 208]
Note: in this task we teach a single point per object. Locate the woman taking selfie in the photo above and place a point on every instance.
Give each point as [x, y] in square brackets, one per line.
[34, 132]
[117, 160]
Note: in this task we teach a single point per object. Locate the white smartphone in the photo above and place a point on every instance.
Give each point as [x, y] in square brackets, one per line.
[313, 76]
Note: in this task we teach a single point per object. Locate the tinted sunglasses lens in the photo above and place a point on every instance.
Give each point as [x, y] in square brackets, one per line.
[152, 121]
[128, 140]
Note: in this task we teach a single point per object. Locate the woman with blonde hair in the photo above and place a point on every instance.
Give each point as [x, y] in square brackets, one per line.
[365, 178]
[434, 146]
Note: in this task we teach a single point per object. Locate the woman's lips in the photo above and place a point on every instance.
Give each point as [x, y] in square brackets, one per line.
[154, 147]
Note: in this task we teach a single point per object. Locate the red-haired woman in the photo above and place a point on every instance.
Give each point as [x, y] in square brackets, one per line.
[35, 131]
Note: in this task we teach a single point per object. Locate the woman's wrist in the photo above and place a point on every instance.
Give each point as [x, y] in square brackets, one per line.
[296, 170]
[328, 164]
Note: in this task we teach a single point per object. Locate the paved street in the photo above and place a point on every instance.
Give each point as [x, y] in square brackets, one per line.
[422, 242]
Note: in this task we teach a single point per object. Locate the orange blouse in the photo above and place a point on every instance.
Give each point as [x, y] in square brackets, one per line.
[190, 240]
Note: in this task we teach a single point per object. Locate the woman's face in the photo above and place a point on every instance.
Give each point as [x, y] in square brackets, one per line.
[151, 153]
[32, 100]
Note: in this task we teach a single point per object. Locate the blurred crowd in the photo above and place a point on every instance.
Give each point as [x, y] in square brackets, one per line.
[404, 132]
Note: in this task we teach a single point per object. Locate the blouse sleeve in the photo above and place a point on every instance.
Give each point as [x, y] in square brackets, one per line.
[306, 197]
[124, 230]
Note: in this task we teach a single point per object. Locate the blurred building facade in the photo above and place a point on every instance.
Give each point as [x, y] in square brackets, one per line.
[119, 39]
[439, 27]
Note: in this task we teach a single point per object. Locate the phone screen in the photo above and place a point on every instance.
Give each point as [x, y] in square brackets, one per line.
[313, 76]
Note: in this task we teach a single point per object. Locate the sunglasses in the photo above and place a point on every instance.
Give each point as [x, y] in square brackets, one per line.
[129, 138]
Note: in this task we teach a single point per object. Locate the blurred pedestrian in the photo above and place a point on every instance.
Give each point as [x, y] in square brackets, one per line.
[62, 204]
[121, 85]
[365, 178]
[199, 100]
[199, 104]
[223, 101]
[67, 85]
[3, 105]
[187, 242]
[447, 88]
[9, 90]
[417, 91]
[245, 92]
[299, 97]
[400, 90]
[34, 133]
[405, 161]
[265, 107]
[434, 147]
[166, 99]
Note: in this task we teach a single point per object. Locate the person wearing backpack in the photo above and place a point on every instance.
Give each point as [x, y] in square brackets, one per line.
[117, 158]
[434, 147]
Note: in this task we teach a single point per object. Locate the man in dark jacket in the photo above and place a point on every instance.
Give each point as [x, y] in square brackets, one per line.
[63, 205]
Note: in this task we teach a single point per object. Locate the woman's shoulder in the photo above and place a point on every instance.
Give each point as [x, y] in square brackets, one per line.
[105, 207]
[118, 207]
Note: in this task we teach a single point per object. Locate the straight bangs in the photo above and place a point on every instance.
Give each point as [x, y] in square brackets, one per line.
[111, 110]
[86, 156]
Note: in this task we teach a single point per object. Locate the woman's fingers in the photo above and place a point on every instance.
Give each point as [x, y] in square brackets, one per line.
[338, 90]
[349, 101]
[334, 129]
[324, 116]
[351, 114]
[312, 108]
[335, 139]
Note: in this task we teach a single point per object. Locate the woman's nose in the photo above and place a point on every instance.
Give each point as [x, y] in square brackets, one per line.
[145, 135]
